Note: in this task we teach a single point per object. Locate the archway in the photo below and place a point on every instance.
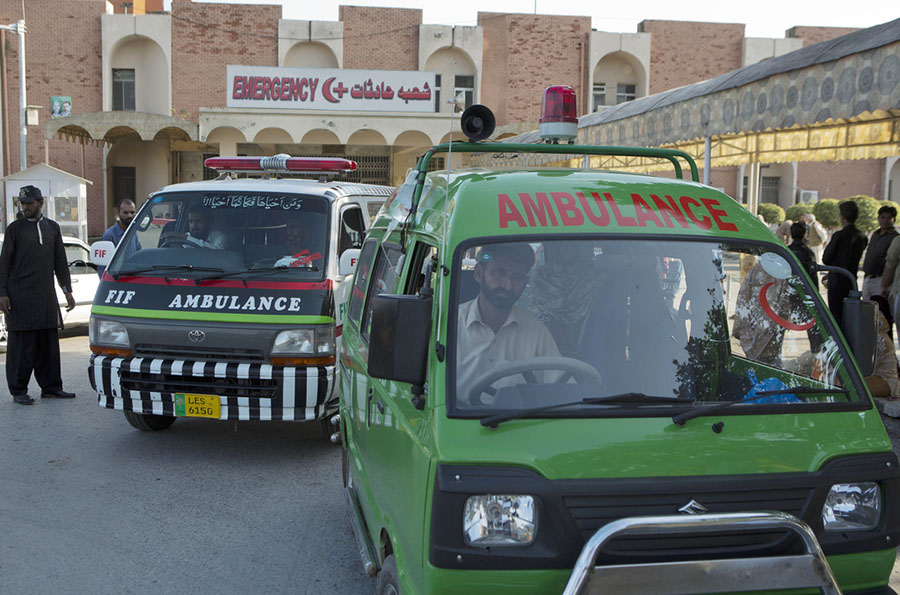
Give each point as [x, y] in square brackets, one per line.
[139, 78]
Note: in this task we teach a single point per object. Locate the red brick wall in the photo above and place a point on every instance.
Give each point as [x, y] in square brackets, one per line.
[381, 38]
[840, 179]
[684, 52]
[523, 55]
[58, 63]
[811, 35]
[206, 38]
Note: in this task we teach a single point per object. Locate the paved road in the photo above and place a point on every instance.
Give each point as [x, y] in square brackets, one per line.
[90, 505]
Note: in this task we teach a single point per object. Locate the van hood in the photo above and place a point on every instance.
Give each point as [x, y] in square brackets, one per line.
[563, 448]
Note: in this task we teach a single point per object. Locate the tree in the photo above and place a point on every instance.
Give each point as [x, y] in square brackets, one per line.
[771, 213]
[868, 211]
[826, 212]
[793, 212]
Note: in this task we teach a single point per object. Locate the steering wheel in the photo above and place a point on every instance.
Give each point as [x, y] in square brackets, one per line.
[177, 242]
[581, 371]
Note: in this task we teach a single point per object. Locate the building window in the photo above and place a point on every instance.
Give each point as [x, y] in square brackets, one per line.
[437, 93]
[465, 84]
[123, 89]
[599, 95]
[625, 93]
[123, 183]
[208, 172]
[768, 189]
[437, 164]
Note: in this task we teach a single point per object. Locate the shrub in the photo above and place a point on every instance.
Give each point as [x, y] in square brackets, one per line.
[771, 213]
[868, 211]
[793, 212]
[826, 212]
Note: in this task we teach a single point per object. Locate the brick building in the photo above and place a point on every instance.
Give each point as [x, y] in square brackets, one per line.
[153, 92]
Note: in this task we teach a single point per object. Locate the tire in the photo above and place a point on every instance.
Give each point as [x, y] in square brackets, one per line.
[387, 579]
[149, 423]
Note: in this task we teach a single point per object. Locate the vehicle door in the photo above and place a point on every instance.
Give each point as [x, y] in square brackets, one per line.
[399, 437]
[84, 282]
[351, 229]
[356, 402]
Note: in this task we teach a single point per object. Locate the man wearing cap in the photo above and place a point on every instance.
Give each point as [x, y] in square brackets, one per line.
[491, 330]
[32, 252]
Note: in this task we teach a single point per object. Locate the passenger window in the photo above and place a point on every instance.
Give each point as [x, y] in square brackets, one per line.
[358, 293]
[352, 229]
[416, 279]
[384, 280]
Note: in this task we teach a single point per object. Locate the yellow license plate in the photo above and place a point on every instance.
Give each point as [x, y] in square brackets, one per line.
[193, 405]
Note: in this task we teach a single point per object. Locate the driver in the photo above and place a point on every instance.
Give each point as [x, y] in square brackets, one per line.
[200, 231]
[491, 329]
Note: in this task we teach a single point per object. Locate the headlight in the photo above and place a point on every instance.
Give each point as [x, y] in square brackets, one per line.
[313, 341]
[107, 332]
[492, 520]
[852, 507]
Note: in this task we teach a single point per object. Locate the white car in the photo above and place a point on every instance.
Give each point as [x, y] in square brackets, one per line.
[84, 285]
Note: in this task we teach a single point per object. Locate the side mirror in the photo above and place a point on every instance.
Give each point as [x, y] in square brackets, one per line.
[861, 330]
[348, 261]
[102, 252]
[399, 338]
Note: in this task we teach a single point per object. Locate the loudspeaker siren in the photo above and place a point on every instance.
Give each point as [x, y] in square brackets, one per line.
[477, 122]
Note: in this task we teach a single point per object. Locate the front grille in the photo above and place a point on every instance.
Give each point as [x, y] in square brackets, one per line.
[216, 354]
[591, 512]
[259, 388]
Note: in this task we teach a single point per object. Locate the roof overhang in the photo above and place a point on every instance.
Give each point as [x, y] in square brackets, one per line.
[109, 127]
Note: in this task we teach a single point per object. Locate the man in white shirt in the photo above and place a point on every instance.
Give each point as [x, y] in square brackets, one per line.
[491, 330]
[200, 232]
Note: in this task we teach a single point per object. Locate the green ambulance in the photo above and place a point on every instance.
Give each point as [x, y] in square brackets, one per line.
[569, 380]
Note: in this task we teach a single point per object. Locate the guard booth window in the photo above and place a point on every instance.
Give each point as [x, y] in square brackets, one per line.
[123, 89]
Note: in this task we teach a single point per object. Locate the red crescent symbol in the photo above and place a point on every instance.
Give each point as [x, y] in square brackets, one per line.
[764, 302]
[326, 90]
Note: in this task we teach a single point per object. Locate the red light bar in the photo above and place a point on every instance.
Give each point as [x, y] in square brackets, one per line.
[558, 104]
[280, 163]
[559, 119]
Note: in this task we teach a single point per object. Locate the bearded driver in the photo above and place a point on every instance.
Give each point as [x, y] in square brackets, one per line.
[491, 330]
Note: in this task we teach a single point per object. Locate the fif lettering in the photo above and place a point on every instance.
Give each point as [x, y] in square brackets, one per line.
[99, 253]
[119, 296]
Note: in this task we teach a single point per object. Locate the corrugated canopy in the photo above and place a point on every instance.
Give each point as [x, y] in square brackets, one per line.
[839, 99]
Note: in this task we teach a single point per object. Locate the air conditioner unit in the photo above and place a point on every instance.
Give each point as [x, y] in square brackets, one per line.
[808, 196]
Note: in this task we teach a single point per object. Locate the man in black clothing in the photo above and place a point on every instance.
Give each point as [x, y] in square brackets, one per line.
[804, 253]
[32, 251]
[844, 250]
[876, 253]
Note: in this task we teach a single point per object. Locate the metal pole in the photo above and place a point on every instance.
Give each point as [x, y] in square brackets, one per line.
[706, 160]
[23, 101]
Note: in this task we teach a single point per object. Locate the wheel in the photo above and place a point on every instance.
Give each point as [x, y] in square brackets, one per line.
[387, 579]
[582, 372]
[149, 423]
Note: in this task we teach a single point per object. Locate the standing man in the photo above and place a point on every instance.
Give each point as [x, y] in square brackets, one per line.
[32, 251]
[844, 250]
[817, 235]
[125, 210]
[876, 253]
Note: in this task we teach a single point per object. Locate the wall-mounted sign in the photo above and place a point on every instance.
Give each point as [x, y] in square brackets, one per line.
[60, 106]
[330, 89]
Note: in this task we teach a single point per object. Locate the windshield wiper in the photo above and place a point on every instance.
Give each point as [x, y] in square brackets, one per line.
[167, 267]
[681, 418]
[638, 398]
[252, 272]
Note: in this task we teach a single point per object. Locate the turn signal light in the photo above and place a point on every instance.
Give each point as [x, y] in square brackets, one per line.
[302, 361]
[111, 351]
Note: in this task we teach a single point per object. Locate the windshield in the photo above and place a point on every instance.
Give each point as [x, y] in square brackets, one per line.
[637, 324]
[283, 236]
